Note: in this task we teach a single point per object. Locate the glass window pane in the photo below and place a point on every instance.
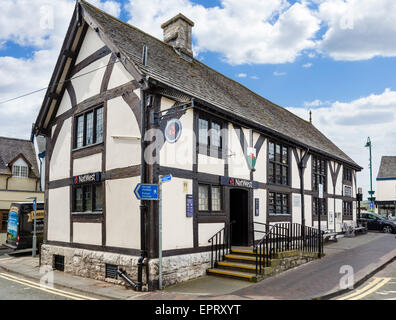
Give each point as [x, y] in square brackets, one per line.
[215, 135]
[271, 176]
[98, 197]
[88, 198]
[271, 151]
[203, 198]
[78, 199]
[203, 131]
[278, 200]
[278, 174]
[278, 153]
[16, 171]
[285, 157]
[216, 199]
[99, 125]
[80, 132]
[89, 136]
[24, 171]
[285, 206]
[284, 175]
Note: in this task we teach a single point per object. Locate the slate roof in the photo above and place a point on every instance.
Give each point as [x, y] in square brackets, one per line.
[11, 148]
[387, 167]
[194, 78]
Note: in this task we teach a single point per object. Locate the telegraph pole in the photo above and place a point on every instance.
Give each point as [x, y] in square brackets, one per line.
[371, 192]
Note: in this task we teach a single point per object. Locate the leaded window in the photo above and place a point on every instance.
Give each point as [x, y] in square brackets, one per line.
[347, 208]
[87, 198]
[209, 198]
[278, 167]
[278, 203]
[89, 128]
[319, 173]
[319, 205]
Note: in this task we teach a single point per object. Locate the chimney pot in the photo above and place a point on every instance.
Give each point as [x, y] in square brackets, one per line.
[178, 33]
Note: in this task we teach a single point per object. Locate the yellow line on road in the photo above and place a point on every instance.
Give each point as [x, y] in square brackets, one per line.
[368, 289]
[45, 288]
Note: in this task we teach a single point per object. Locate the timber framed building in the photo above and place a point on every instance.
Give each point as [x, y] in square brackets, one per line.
[386, 187]
[233, 155]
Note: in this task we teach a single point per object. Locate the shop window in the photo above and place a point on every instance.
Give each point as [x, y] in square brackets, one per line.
[87, 198]
[319, 204]
[89, 128]
[278, 203]
[209, 198]
[278, 168]
[347, 208]
[319, 173]
[3, 221]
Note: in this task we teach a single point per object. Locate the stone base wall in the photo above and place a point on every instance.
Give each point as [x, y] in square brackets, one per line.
[92, 264]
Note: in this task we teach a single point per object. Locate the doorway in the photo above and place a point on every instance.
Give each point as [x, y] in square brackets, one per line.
[239, 212]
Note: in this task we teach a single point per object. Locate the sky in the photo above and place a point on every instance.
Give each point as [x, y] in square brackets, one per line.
[336, 58]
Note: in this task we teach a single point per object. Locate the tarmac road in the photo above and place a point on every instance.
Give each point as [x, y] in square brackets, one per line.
[382, 286]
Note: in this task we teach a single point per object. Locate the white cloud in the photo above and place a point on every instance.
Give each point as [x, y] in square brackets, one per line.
[307, 65]
[40, 24]
[358, 29]
[348, 124]
[241, 75]
[315, 103]
[251, 31]
[254, 77]
[279, 74]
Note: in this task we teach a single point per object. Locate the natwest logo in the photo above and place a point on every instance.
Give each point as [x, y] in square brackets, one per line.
[236, 182]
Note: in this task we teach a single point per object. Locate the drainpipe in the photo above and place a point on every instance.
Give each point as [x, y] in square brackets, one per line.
[143, 207]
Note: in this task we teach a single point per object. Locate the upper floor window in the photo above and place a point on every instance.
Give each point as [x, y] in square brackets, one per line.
[20, 171]
[278, 167]
[347, 174]
[209, 136]
[319, 173]
[89, 128]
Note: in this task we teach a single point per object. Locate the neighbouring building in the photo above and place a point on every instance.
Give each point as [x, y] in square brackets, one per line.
[19, 177]
[386, 187]
[233, 155]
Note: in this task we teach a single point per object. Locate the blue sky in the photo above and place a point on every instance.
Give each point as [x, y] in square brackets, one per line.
[334, 57]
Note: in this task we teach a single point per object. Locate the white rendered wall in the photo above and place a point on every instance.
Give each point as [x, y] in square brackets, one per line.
[90, 45]
[59, 214]
[206, 231]
[260, 174]
[237, 164]
[89, 164]
[386, 190]
[177, 229]
[59, 167]
[121, 121]
[87, 233]
[122, 213]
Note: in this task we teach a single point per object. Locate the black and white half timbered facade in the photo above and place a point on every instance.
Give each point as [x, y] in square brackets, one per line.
[125, 108]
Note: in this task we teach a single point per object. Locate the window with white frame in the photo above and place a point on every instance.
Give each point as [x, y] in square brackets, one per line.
[20, 171]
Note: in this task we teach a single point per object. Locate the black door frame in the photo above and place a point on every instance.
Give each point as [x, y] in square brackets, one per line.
[249, 210]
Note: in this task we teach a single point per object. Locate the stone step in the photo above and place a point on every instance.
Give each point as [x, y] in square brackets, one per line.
[237, 266]
[232, 274]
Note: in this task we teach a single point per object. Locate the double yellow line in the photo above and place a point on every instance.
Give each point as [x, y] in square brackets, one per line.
[47, 289]
[368, 289]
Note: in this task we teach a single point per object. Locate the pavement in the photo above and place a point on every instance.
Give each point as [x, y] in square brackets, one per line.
[319, 279]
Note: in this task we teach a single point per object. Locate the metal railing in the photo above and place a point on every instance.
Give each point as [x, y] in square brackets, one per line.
[220, 244]
[282, 237]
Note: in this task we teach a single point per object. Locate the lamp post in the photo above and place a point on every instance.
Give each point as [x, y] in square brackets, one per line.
[371, 192]
[359, 197]
[34, 244]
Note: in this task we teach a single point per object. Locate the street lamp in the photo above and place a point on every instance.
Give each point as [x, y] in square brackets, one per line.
[359, 197]
[371, 192]
[34, 245]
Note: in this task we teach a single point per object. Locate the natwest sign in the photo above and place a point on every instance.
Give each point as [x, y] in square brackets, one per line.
[236, 182]
[86, 178]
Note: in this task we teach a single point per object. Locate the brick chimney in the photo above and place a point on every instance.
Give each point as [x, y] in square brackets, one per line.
[177, 33]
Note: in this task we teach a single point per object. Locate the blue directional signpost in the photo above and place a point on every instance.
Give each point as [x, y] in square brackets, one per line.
[146, 191]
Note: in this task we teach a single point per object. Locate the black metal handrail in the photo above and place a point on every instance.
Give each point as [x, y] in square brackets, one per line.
[282, 237]
[220, 244]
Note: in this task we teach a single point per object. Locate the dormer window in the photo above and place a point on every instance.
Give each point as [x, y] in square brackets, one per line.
[20, 171]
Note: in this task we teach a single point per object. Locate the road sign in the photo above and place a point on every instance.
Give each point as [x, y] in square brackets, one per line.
[146, 191]
[34, 205]
[166, 178]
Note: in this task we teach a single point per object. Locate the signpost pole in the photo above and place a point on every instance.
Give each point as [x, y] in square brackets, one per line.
[319, 222]
[34, 244]
[160, 235]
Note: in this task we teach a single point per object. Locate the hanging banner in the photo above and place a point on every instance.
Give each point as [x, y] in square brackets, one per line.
[251, 156]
